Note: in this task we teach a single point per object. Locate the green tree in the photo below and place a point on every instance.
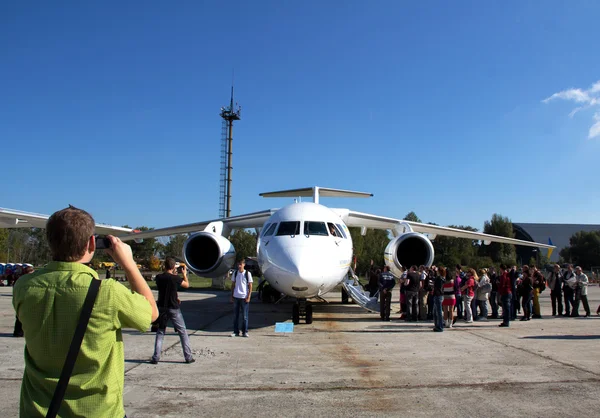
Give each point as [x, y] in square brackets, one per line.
[499, 253]
[244, 243]
[174, 248]
[144, 250]
[584, 249]
[3, 245]
[411, 216]
[368, 247]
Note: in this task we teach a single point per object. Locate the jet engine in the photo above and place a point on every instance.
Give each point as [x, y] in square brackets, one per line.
[208, 255]
[411, 248]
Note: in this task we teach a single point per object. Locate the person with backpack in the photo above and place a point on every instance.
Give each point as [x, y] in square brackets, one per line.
[241, 290]
[526, 290]
[539, 285]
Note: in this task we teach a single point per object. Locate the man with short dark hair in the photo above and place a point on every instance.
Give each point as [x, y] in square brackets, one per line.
[168, 307]
[413, 285]
[48, 302]
[387, 281]
[241, 290]
[555, 283]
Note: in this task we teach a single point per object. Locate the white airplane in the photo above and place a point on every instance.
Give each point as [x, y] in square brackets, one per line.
[304, 249]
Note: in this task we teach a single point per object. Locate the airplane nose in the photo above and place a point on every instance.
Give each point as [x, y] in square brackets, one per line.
[308, 265]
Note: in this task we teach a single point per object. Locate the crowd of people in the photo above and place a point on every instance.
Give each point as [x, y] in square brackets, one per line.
[445, 295]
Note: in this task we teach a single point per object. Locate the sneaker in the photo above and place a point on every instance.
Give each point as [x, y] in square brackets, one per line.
[152, 361]
[190, 361]
[245, 335]
[233, 334]
[503, 325]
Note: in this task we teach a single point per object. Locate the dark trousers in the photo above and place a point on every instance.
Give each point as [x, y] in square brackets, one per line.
[18, 332]
[430, 306]
[494, 303]
[582, 298]
[385, 303]
[506, 309]
[569, 303]
[527, 305]
[373, 289]
[515, 307]
[459, 306]
[438, 317]
[556, 296]
[240, 305]
[412, 303]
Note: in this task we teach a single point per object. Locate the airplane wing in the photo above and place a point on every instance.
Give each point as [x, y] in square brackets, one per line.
[250, 220]
[358, 219]
[10, 218]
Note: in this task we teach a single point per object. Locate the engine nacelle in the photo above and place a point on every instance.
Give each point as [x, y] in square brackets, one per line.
[208, 255]
[411, 248]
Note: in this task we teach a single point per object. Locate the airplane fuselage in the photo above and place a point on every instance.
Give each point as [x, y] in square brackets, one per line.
[304, 250]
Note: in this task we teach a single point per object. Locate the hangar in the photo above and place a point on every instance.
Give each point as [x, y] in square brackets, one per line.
[559, 234]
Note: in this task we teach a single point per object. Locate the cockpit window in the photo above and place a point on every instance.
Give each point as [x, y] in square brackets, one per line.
[315, 228]
[270, 230]
[288, 228]
[341, 230]
[265, 229]
[334, 231]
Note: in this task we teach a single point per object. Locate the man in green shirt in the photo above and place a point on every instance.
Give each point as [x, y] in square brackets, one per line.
[49, 302]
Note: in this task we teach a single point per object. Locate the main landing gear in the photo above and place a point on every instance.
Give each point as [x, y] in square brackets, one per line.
[302, 309]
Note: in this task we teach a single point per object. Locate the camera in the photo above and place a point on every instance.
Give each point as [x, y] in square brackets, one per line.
[102, 242]
[180, 269]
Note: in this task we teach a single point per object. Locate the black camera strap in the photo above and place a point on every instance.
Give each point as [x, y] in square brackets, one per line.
[65, 375]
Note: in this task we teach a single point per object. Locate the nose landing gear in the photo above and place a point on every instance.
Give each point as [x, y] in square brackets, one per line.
[302, 309]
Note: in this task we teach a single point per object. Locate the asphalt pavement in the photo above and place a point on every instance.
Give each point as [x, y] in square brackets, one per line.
[348, 363]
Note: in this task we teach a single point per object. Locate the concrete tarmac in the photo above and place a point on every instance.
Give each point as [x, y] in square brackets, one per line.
[348, 363]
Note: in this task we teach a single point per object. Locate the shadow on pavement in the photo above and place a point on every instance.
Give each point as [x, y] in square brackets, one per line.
[563, 337]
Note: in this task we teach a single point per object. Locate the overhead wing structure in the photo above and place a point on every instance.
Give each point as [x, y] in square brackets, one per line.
[10, 218]
[397, 226]
[250, 220]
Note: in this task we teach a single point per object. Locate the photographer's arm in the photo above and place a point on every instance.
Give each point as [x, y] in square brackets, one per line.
[185, 283]
[121, 253]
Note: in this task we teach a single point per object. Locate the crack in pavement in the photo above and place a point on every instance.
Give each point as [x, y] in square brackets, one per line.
[481, 385]
[164, 351]
[507, 345]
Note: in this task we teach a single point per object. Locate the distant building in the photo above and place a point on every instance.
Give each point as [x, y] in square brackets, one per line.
[559, 234]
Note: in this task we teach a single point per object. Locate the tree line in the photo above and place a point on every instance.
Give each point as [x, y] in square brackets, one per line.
[30, 245]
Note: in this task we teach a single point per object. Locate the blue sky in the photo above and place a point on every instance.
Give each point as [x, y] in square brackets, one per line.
[456, 110]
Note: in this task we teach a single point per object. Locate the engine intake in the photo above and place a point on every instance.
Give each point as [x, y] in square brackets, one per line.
[408, 249]
[208, 254]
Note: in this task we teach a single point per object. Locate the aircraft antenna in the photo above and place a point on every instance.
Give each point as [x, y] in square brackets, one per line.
[229, 114]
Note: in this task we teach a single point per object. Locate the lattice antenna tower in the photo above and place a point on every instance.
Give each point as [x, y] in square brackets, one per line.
[228, 114]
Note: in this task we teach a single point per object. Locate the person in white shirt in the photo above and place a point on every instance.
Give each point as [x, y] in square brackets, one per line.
[241, 290]
[581, 292]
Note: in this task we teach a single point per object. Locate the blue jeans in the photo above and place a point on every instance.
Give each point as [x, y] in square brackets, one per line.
[483, 309]
[177, 318]
[459, 306]
[240, 305]
[506, 309]
[438, 317]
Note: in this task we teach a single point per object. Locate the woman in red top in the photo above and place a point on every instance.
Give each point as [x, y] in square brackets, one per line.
[468, 294]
